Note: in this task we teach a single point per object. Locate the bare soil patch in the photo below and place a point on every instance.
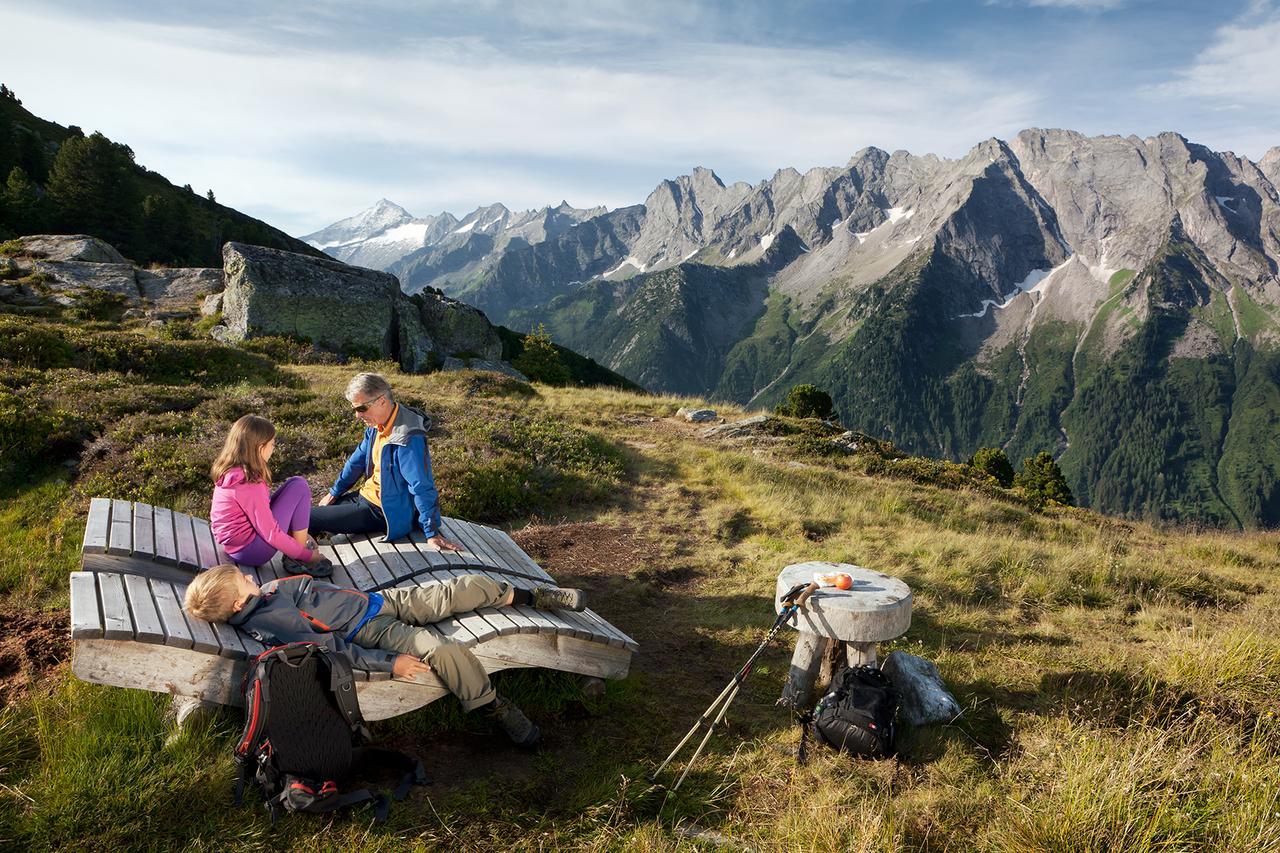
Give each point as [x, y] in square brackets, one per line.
[585, 549]
[32, 644]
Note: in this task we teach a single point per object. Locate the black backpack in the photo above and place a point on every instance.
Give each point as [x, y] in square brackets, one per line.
[857, 714]
[302, 731]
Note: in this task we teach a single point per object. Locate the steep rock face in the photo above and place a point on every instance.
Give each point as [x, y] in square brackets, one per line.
[346, 309]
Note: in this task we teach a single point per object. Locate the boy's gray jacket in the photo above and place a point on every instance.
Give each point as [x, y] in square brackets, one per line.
[301, 609]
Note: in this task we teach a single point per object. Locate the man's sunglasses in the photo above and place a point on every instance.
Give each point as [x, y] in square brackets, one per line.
[364, 407]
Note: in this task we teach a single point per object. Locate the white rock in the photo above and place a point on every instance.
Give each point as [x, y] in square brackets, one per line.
[922, 694]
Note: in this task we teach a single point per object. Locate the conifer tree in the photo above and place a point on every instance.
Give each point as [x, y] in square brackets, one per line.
[21, 203]
[89, 188]
[540, 361]
[1042, 480]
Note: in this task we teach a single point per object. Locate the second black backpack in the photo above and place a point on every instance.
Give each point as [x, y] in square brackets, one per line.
[857, 714]
[302, 734]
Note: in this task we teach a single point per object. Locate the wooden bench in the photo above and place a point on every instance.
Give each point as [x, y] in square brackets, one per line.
[128, 628]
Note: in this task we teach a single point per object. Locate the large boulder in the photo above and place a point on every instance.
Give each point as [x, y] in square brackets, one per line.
[346, 309]
[66, 278]
[69, 247]
[179, 287]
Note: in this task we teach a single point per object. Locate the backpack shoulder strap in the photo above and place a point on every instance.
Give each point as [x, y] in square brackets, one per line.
[342, 684]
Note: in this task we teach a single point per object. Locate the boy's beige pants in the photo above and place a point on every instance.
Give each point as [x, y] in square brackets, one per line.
[397, 628]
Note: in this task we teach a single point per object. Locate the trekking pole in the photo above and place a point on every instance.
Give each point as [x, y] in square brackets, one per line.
[793, 601]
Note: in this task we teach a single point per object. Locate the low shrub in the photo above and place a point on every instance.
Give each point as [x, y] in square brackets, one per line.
[46, 346]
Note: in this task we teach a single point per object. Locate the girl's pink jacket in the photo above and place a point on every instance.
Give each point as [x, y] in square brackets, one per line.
[242, 510]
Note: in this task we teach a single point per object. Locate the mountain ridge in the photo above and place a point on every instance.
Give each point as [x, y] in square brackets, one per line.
[1054, 291]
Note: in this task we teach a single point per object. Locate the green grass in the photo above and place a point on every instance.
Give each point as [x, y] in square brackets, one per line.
[1119, 681]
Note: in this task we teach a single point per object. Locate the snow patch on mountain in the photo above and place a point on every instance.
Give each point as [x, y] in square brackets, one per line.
[1035, 282]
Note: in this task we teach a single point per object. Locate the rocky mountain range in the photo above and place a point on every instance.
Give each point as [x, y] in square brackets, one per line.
[1114, 300]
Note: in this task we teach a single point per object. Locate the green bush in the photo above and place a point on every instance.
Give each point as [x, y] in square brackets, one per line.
[287, 350]
[94, 304]
[807, 401]
[491, 469]
[994, 462]
[1042, 480]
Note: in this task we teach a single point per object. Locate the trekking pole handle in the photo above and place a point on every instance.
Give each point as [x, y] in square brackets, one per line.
[803, 597]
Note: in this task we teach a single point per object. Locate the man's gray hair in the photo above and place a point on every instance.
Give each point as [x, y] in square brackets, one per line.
[368, 385]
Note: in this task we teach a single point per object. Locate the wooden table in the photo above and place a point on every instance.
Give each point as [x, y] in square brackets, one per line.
[877, 608]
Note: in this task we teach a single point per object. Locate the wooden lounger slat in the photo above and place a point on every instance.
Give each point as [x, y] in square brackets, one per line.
[520, 620]
[252, 647]
[371, 561]
[229, 639]
[354, 565]
[86, 612]
[177, 632]
[205, 545]
[121, 536]
[185, 536]
[147, 627]
[202, 637]
[166, 545]
[144, 532]
[391, 556]
[97, 527]
[116, 622]
[507, 548]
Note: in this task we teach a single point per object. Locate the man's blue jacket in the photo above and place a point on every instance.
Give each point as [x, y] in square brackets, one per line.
[407, 487]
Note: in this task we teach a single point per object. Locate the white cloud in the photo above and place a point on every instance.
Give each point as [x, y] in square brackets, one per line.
[215, 109]
[1239, 67]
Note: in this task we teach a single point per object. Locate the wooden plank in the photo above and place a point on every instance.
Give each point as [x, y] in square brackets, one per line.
[166, 545]
[188, 556]
[144, 532]
[395, 561]
[147, 627]
[205, 545]
[97, 526]
[229, 639]
[371, 561]
[252, 647]
[185, 672]
[86, 613]
[462, 533]
[350, 560]
[116, 622]
[202, 637]
[506, 547]
[177, 632]
[341, 577]
[120, 539]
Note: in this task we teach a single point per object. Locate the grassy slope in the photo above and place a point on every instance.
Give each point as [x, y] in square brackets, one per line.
[1118, 681]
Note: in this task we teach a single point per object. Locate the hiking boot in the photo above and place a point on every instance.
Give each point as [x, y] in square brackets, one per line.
[558, 598]
[518, 727]
[321, 568]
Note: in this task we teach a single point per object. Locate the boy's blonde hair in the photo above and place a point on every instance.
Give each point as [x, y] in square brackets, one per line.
[213, 593]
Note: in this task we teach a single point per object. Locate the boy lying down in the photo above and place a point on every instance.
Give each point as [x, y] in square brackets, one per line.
[380, 631]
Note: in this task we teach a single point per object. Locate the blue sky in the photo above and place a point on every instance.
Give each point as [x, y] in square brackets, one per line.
[302, 113]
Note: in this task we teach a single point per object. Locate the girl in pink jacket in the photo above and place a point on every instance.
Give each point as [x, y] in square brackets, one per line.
[251, 522]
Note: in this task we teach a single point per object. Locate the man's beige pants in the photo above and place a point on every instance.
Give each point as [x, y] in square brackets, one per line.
[397, 628]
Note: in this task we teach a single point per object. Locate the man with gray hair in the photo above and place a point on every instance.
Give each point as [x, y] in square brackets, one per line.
[399, 490]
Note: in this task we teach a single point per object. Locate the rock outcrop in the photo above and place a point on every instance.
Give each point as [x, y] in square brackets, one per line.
[347, 309]
[61, 266]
